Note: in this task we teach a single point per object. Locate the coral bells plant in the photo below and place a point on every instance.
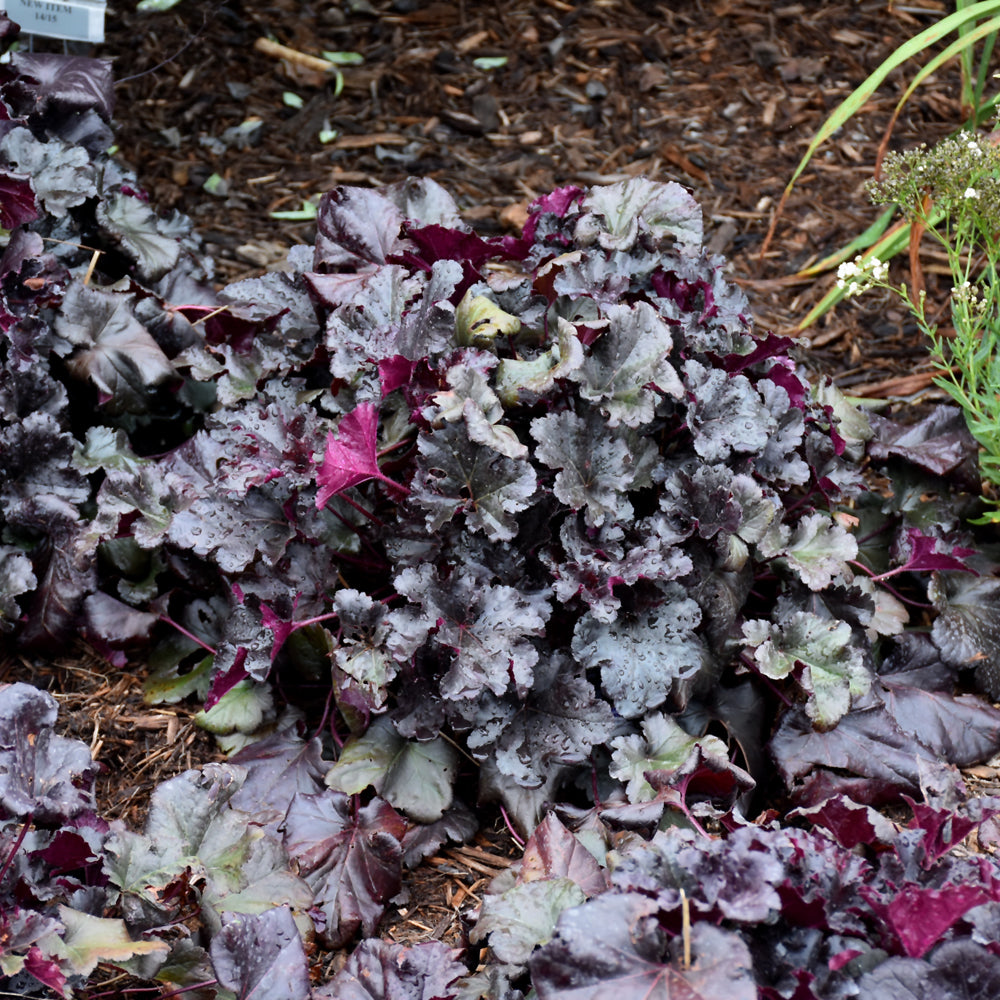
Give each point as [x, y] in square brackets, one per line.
[430, 522]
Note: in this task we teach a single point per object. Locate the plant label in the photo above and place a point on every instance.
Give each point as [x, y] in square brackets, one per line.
[73, 20]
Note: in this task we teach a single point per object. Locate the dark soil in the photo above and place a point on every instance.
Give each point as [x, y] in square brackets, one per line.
[721, 96]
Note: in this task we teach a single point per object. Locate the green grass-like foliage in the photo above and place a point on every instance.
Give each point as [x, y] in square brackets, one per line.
[952, 193]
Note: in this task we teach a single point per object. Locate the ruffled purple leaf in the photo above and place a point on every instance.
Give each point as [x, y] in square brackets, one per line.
[260, 956]
[351, 859]
[958, 970]
[385, 970]
[42, 775]
[615, 945]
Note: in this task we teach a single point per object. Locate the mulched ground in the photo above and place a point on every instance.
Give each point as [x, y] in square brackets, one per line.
[721, 96]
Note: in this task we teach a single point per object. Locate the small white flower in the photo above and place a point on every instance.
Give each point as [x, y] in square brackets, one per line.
[974, 147]
[970, 193]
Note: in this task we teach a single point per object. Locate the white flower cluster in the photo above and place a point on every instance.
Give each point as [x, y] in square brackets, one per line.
[970, 296]
[859, 275]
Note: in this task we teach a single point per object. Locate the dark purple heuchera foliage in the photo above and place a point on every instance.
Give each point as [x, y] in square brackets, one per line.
[546, 499]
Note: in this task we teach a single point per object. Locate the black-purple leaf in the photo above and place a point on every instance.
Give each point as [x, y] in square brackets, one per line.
[456, 474]
[726, 413]
[139, 231]
[48, 82]
[385, 970]
[958, 970]
[64, 565]
[487, 629]
[36, 462]
[867, 742]
[641, 657]
[553, 852]
[260, 956]
[351, 860]
[42, 775]
[357, 226]
[626, 369]
[967, 627]
[940, 443]
[562, 721]
[113, 349]
[960, 729]
[596, 466]
[279, 767]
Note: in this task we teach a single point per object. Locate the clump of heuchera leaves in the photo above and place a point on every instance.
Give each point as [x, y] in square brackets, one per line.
[542, 521]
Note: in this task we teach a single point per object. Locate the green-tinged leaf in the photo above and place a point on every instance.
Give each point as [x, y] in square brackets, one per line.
[216, 184]
[414, 777]
[89, 940]
[524, 916]
[818, 550]
[243, 708]
[663, 746]
[515, 376]
[106, 448]
[479, 321]
[833, 669]
[292, 100]
[471, 399]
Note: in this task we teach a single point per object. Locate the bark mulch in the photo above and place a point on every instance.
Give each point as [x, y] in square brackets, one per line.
[721, 96]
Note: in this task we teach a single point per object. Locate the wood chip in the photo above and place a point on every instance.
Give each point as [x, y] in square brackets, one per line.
[276, 51]
[369, 140]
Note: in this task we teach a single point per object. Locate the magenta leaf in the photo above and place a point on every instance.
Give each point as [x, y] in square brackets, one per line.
[924, 556]
[920, 917]
[17, 200]
[351, 458]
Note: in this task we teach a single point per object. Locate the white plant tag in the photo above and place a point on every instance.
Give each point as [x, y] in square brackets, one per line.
[74, 20]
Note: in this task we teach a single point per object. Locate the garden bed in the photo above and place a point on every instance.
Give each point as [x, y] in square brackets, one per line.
[615, 93]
